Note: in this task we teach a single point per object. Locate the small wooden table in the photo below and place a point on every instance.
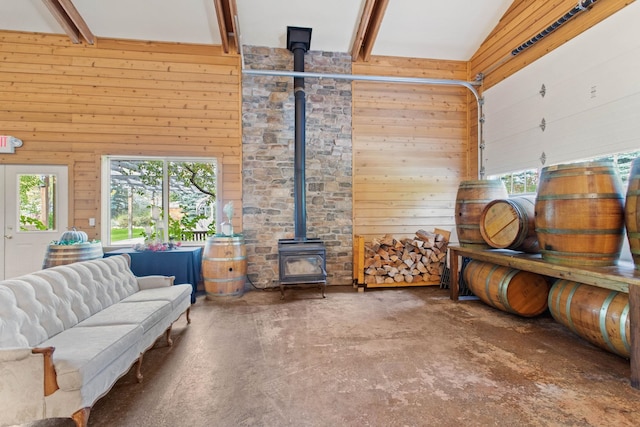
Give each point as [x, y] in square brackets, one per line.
[622, 278]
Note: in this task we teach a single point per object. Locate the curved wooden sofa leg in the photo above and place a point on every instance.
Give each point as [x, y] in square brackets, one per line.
[81, 417]
[168, 334]
[139, 376]
[188, 313]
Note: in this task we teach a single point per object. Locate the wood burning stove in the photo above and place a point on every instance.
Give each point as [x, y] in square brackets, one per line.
[302, 262]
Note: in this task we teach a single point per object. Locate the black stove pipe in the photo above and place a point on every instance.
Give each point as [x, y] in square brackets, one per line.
[299, 179]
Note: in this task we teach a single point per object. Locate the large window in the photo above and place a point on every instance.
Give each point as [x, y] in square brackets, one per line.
[158, 199]
[526, 182]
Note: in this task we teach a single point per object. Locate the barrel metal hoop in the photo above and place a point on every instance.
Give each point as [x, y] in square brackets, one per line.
[523, 226]
[623, 330]
[579, 232]
[504, 287]
[561, 284]
[633, 192]
[223, 280]
[488, 280]
[603, 320]
[579, 255]
[580, 172]
[463, 201]
[633, 235]
[238, 258]
[578, 196]
[568, 307]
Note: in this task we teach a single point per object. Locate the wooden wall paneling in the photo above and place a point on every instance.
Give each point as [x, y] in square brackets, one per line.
[409, 147]
[517, 26]
[126, 129]
[46, 41]
[72, 104]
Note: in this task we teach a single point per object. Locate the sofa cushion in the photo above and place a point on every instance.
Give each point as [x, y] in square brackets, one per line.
[72, 295]
[81, 353]
[174, 294]
[31, 310]
[144, 313]
[100, 282]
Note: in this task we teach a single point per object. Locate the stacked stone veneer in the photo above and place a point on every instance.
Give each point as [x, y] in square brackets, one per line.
[268, 151]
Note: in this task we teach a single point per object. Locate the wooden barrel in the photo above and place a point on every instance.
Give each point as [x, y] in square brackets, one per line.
[224, 266]
[507, 289]
[471, 199]
[579, 214]
[510, 223]
[601, 316]
[67, 254]
[632, 212]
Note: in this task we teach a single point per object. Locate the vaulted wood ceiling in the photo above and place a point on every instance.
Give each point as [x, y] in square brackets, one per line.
[438, 29]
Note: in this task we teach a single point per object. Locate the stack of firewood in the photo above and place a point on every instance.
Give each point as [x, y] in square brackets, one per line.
[391, 261]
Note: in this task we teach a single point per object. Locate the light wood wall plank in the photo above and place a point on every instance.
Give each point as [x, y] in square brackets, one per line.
[71, 104]
[409, 147]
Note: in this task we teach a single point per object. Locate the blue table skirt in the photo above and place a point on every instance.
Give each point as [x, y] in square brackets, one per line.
[184, 263]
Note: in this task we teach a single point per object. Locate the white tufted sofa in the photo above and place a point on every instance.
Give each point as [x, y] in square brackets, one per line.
[69, 332]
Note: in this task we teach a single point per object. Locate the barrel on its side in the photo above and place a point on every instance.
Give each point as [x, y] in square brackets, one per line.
[471, 199]
[632, 212]
[601, 316]
[67, 254]
[510, 223]
[579, 214]
[224, 266]
[507, 289]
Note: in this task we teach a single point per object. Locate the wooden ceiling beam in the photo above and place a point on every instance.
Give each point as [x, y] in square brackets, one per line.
[362, 29]
[78, 20]
[226, 11]
[222, 25]
[63, 19]
[233, 13]
[370, 22]
[70, 20]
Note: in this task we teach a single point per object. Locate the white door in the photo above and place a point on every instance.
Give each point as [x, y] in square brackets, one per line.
[35, 213]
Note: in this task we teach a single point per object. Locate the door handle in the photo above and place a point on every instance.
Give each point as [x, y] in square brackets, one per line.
[8, 236]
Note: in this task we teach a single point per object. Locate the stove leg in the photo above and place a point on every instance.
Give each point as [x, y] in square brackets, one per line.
[323, 286]
[281, 291]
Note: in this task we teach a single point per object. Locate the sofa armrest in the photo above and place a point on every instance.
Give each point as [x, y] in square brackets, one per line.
[14, 354]
[22, 394]
[156, 281]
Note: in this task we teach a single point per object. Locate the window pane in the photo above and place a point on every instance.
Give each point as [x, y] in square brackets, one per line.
[136, 200]
[532, 181]
[192, 197]
[37, 202]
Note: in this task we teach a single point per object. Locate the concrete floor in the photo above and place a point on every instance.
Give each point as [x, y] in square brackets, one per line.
[392, 357]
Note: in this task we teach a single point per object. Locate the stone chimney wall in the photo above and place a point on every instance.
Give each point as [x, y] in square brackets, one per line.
[267, 162]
